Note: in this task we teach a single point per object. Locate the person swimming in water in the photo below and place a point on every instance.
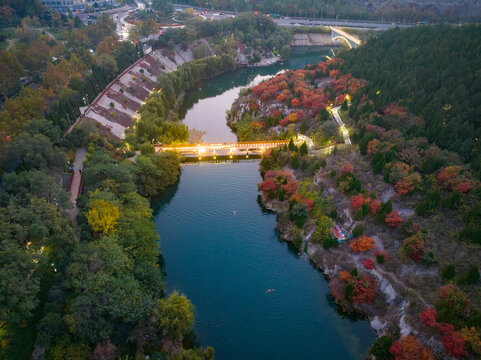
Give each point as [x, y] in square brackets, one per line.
[234, 212]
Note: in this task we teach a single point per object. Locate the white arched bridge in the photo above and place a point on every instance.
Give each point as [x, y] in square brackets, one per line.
[351, 40]
[226, 149]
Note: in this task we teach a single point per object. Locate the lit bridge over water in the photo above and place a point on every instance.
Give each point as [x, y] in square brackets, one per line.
[226, 149]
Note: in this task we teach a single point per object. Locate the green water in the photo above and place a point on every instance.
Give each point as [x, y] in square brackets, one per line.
[222, 250]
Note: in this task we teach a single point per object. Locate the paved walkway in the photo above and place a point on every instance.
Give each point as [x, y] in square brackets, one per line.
[76, 178]
[345, 133]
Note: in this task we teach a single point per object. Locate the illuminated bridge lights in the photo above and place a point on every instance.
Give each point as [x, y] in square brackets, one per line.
[214, 148]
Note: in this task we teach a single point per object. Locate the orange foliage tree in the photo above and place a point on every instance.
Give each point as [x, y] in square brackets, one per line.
[409, 348]
[361, 244]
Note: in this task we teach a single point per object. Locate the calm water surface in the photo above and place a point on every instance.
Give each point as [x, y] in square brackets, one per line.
[205, 107]
[221, 249]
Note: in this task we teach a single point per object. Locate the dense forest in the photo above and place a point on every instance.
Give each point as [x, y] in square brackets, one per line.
[81, 280]
[435, 73]
[387, 10]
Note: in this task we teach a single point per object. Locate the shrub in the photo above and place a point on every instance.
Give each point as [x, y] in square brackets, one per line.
[428, 317]
[393, 219]
[112, 105]
[375, 207]
[409, 348]
[361, 244]
[453, 342]
[414, 247]
[346, 169]
[421, 209]
[428, 257]
[471, 277]
[358, 230]
[452, 306]
[348, 291]
[381, 256]
[368, 264]
[358, 215]
[294, 161]
[380, 348]
[448, 272]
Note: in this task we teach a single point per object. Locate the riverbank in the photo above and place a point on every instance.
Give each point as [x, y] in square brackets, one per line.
[369, 272]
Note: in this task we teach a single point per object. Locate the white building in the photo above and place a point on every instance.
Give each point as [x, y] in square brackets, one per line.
[64, 6]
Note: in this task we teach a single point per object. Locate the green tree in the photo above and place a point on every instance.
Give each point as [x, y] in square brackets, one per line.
[175, 315]
[303, 149]
[380, 348]
[19, 281]
[285, 51]
[107, 65]
[164, 7]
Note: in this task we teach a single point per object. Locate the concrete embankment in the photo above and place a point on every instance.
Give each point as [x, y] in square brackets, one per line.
[313, 40]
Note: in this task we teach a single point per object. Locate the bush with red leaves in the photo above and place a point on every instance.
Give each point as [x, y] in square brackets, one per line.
[453, 342]
[409, 348]
[428, 317]
[374, 207]
[357, 201]
[346, 168]
[365, 290]
[414, 246]
[393, 219]
[368, 264]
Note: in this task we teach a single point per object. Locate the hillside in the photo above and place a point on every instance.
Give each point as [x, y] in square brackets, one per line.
[436, 73]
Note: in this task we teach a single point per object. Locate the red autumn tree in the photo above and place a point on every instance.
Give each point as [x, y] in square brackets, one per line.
[414, 246]
[268, 185]
[282, 97]
[357, 201]
[404, 186]
[295, 102]
[374, 206]
[409, 348]
[333, 73]
[365, 290]
[270, 174]
[368, 264]
[372, 146]
[291, 187]
[428, 317]
[346, 168]
[309, 203]
[393, 219]
[253, 106]
[452, 340]
[464, 187]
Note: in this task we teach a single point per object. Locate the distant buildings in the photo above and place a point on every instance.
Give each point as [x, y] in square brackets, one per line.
[81, 6]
